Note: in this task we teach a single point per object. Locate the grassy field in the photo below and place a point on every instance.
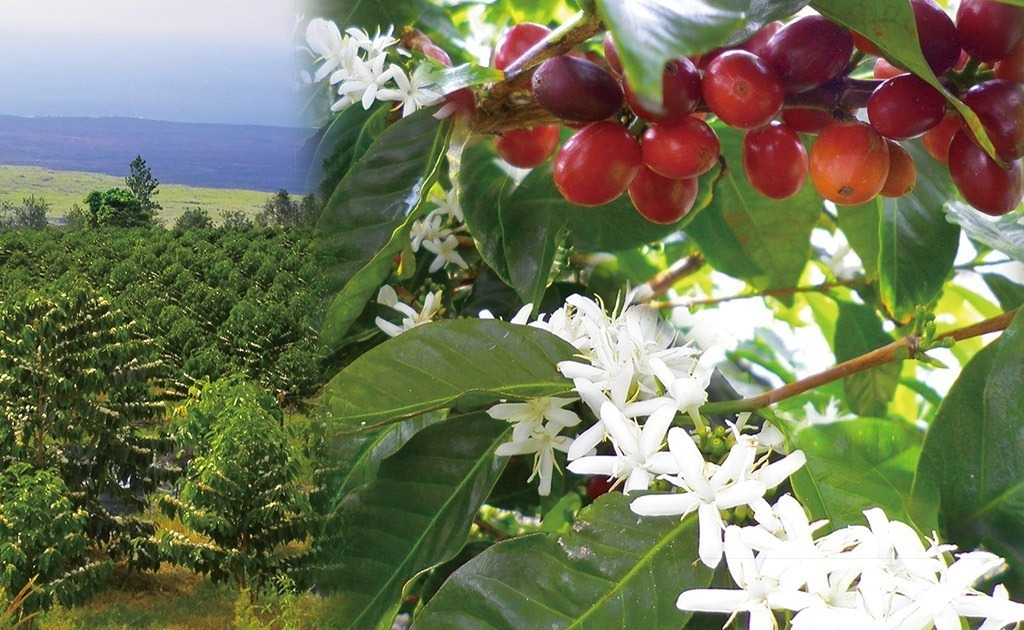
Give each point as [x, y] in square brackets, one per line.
[65, 188]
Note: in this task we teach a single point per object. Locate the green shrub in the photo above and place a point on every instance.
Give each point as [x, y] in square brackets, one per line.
[241, 491]
[43, 536]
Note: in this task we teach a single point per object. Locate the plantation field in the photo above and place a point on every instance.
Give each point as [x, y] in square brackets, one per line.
[65, 188]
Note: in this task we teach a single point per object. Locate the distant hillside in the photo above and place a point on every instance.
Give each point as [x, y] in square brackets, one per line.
[65, 188]
[247, 157]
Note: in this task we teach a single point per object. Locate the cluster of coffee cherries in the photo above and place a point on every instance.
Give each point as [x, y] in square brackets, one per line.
[655, 151]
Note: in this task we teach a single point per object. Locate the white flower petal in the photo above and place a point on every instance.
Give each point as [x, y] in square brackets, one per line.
[665, 504]
[714, 600]
[709, 546]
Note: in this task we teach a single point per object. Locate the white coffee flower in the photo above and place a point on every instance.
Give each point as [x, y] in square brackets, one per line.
[411, 93]
[538, 424]
[445, 253]
[638, 454]
[412, 318]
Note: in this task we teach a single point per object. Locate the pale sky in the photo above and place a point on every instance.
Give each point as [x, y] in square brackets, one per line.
[224, 61]
[229, 18]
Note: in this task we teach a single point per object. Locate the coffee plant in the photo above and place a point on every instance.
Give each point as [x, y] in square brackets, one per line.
[539, 218]
[241, 491]
[214, 301]
[78, 397]
[43, 543]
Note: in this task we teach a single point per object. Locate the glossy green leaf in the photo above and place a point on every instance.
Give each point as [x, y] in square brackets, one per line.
[1005, 233]
[350, 461]
[614, 570]
[415, 515]
[891, 27]
[519, 230]
[859, 331]
[861, 226]
[648, 33]
[973, 456]
[367, 219]
[918, 244]
[483, 185]
[1009, 293]
[432, 366]
[465, 75]
[852, 466]
[762, 12]
[763, 242]
[617, 226]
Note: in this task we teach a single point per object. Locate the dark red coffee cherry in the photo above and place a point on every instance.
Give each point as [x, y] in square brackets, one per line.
[905, 107]
[597, 164]
[849, 162]
[742, 90]
[758, 42]
[999, 105]
[611, 53]
[660, 199]
[680, 85]
[775, 161]
[983, 183]
[940, 42]
[902, 175]
[516, 41]
[1011, 68]
[527, 148]
[936, 142]
[989, 30]
[437, 53]
[803, 120]
[680, 150]
[809, 52]
[597, 485]
[576, 89]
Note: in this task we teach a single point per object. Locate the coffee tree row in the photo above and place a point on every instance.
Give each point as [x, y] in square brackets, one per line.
[215, 301]
[460, 434]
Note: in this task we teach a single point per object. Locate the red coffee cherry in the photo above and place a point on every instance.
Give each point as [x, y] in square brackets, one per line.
[983, 183]
[742, 90]
[884, 70]
[775, 161]
[905, 107]
[902, 175]
[1011, 68]
[514, 42]
[597, 164]
[611, 53]
[681, 90]
[597, 485]
[936, 142]
[999, 105]
[437, 53]
[989, 30]
[809, 52]
[662, 199]
[864, 45]
[810, 121]
[576, 89]
[527, 148]
[940, 42]
[758, 42]
[849, 162]
[680, 150]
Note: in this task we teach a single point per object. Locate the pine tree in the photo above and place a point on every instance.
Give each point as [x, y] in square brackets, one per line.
[143, 185]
